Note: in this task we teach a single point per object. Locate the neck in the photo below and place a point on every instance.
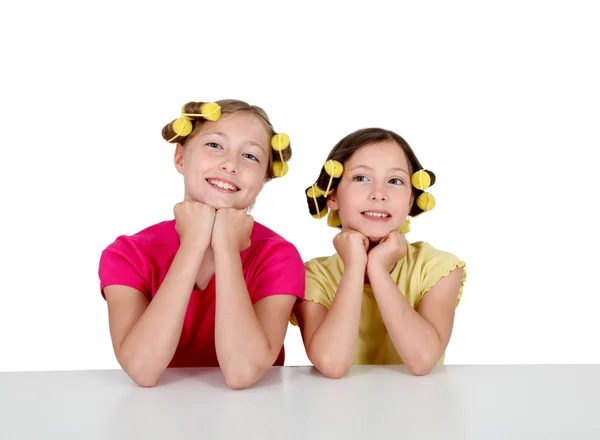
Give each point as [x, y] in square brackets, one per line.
[372, 244]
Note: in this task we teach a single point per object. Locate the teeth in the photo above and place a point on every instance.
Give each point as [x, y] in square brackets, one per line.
[223, 185]
[376, 214]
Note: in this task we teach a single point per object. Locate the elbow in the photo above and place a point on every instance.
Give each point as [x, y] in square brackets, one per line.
[245, 369]
[145, 381]
[422, 365]
[243, 375]
[141, 376]
[138, 371]
[419, 368]
[237, 381]
[333, 371]
[330, 367]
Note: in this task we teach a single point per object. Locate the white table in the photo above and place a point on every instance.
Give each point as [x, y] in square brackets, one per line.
[453, 402]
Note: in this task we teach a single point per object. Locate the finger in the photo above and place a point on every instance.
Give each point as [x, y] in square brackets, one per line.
[366, 243]
[398, 237]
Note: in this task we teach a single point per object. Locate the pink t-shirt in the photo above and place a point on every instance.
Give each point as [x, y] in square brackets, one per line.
[271, 266]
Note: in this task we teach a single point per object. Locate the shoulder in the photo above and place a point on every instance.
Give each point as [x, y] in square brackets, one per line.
[262, 234]
[266, 241]
[132, 259]
[325, 263]
[323, 275]
[325, 267]
[423, 254]
[270, 253]
[272, 265]
[146, 242]
[431, 264]
[158, 234]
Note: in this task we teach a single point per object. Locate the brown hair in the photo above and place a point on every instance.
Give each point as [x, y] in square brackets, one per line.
[229, 106]
[344, 150]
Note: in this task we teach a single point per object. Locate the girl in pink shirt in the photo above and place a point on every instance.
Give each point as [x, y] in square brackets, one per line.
[210, 287]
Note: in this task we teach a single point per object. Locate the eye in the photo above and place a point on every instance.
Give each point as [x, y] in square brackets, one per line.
[250, 156]
[359, 178]
[396, 181]
[213, 145]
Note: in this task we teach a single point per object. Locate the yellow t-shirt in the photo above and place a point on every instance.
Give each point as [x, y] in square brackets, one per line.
[415, 275]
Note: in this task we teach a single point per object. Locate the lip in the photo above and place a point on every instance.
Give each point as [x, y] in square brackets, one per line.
[377, 219]
[222, 190]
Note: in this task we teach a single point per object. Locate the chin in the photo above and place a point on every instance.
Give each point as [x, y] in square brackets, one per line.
[222, 201]
[216, 202]
[219, 204]
[376, 234]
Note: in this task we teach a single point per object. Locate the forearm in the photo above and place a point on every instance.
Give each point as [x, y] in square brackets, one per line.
[416, 341]
[150, 345]
[241, 344]
[333, 345]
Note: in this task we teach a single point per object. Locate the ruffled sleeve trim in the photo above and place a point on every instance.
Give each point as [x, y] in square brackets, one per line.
[443, 274]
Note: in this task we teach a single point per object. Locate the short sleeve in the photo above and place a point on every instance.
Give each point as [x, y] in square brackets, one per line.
[436, 266]
[121, 263]
[278, 269]
[316, 287]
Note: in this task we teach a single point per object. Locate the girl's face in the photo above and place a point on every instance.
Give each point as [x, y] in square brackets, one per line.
[224, 165]
[374, 195]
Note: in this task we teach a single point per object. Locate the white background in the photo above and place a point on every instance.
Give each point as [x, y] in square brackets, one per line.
[500, 99]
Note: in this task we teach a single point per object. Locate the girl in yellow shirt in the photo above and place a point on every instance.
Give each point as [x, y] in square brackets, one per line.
[379, 299]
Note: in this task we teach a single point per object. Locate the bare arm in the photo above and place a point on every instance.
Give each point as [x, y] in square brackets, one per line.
[248, 339]
[145, 333]
[420, 338]
[330, 336]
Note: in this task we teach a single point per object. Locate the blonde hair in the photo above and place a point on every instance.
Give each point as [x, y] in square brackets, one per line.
[232, 106]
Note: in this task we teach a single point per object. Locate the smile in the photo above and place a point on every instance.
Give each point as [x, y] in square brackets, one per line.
[377, 216]
[222, 186]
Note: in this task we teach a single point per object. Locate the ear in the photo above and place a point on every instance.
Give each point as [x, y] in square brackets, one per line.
[178, 158]
[332, 202]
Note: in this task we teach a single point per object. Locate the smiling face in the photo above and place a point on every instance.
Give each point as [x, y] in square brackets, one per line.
[224, 164]
[375, 194]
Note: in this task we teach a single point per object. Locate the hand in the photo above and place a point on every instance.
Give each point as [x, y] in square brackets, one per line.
[232, 228]
[352, 247]
[388, 251]
[194, 222]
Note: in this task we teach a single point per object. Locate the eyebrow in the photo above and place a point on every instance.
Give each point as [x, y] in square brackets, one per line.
[371, 169]
[218, 133]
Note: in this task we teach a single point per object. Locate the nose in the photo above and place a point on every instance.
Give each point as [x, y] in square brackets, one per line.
[229, 164]
[378, 194]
